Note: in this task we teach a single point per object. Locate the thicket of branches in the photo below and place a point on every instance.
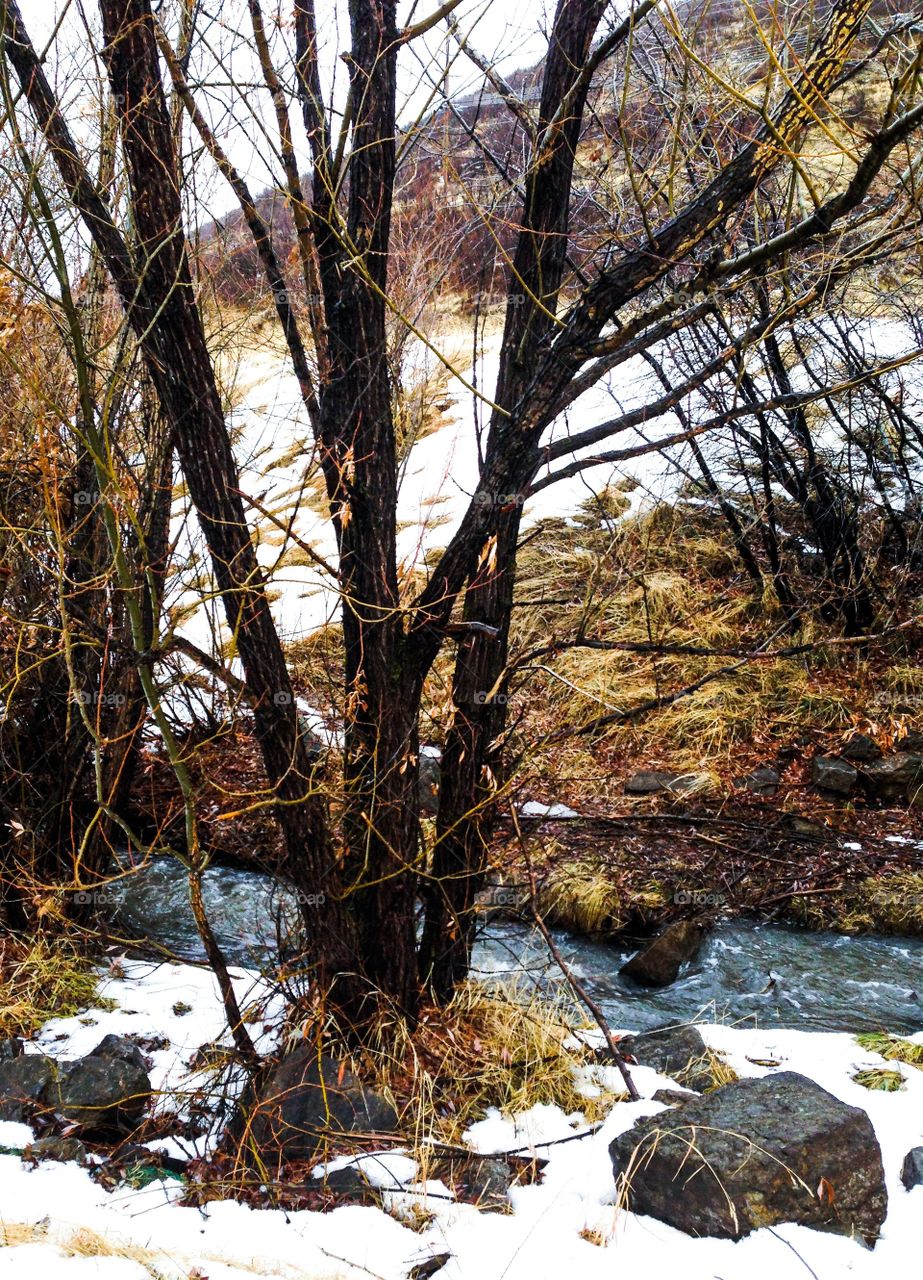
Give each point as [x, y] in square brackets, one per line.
[726, 199]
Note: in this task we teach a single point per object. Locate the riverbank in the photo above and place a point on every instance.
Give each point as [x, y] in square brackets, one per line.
[61, 1222]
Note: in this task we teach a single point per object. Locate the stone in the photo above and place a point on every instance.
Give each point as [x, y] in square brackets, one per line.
[61, 1150]
[23, 1084]
[104, 1096]
[120, 1049]
[11, 1048]
[675, 1051]
[830, 773]
[347, 1181]
[672, 1097]
[896, 777]
[502, 900]
[304, 1105]
[861, 748]
[762, 781]
[649, 782]
[484, 1182]
[912, 1168]
[753, 1154]
[429, 776]
[659, 963]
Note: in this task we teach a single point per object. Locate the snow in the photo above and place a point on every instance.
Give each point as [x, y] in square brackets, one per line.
[532, 809]
[564, 1224]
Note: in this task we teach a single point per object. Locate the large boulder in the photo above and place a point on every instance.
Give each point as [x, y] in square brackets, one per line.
[24, 1082]
[896, 777]
[675, 1051]
[831, 774]
[753, 1154]
[658, 964]
[305, 1107]
[104, 1095]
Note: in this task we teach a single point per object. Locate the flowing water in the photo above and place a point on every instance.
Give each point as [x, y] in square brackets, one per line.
[756, 974]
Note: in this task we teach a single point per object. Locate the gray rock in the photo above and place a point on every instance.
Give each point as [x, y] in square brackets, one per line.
[484, 1182]
[61, 1150]
[659, 963]
[103, 1095]
[347, 1181]
[678, 1052]
[672, 1097]
[897, 777]
[119, 1049]
[23, 1084]
[861, 749]
[752, 1154]
[502, 900]
[762, 781]
[11, 1048]
[649, 782]
[429, 776]
[830, 773]
[912, 1168]
[304, 1106]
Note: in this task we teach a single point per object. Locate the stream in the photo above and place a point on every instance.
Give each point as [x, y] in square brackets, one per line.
[747, 973]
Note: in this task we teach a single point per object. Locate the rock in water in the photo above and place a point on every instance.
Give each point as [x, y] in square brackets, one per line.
[912, 1168]
[659, 963]
[305, 1104]
[23, 1083]
[752, 1154]
[104, 1096]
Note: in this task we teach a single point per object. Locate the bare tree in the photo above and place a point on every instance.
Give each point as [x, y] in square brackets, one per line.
[637, 267]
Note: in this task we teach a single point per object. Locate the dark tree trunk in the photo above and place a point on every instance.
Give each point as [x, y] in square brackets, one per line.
[465, 811]
[154, 281]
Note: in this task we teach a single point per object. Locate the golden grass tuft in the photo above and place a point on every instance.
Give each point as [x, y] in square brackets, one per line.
[877, 904]
[581, 898]
[50, 977]
[893, 1048]
[503, 1046]
[881, 1079]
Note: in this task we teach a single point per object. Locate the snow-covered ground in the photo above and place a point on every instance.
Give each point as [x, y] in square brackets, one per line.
[64, 1226]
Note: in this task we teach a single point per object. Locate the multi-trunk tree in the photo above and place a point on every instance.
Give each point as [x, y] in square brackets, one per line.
[637, 270]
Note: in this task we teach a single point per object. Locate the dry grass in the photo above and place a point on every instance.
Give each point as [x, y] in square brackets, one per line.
[892, 1048]
[581, 898]
[884, 904]
[881, 1079]
[50, 977]
[500, 1046]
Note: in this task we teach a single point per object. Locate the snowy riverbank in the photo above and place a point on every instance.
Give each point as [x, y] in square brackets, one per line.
[61, 1225]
